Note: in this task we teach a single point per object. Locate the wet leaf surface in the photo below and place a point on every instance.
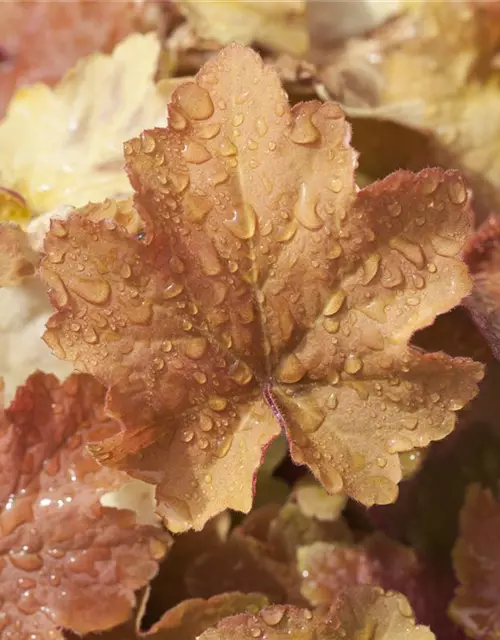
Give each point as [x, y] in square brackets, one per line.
[267, 293]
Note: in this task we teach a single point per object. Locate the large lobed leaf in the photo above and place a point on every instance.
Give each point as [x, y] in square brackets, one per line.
[267, 292]
[66, 560]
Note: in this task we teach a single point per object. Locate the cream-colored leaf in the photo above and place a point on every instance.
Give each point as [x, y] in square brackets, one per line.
[63, 146]
[279, 25]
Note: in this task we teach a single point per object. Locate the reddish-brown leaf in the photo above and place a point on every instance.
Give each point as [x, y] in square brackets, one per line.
[476, 558]
[65, 560]
[41, 40]
[482, 255]
[327, 568]
[268, 292]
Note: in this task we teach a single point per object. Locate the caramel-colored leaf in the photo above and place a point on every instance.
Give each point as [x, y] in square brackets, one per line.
[363, 612]
[64, 145]
[268, 292]
[476, 559]
[188, 620]
[17, 258]
[261, 554]
[482, 255]
[67, 561]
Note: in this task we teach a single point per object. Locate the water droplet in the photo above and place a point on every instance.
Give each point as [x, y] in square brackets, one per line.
[256, 632]
[90, 289]
[180, 181]
[57, 289]
[261, 126]
[56, 256]
[290, 369]
[176, 265]
[272, 615]
[332, 401]
[392, 275]
[287, 232]
[456, 190]
[195, 153]
[395, 209]
[430, 183]
[224, 446]
[187, 436]
[381, 462]
[232, 266]
[176, 120]
[335, 251]
[305, 209]
[431, 268]
[90, 335]
[331, 325]
[352, 364]
[148, 143]
[173, 290]
[237, 119]
[304, 131]
[411, 251]
[194, 348]
[243, 223]
[195, 101]
[27, 603]
[206, 423]
[197, 207]
[227, 148]
[335, 303]
[447, 247]
[217, 403]
[336, 185]
[209, 131]
[220, 176]
[240, 372]
[370, 268]
[125, 270]
[58, 228]
[26, 561]
[279, 109]
[187, 325]
[158, 363]
[200, 377]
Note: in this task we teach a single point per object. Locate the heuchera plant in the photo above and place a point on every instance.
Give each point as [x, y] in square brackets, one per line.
[248, 294]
